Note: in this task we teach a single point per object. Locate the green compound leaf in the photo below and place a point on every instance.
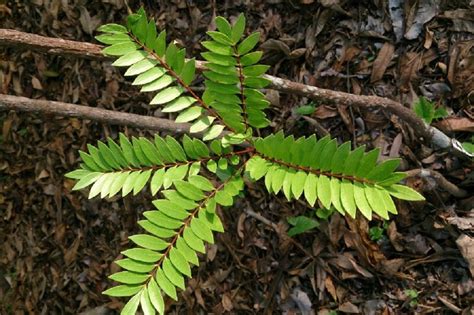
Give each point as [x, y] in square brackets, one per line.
[318, 170]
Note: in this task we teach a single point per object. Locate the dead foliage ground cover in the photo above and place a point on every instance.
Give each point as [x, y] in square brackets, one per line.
[58, 247]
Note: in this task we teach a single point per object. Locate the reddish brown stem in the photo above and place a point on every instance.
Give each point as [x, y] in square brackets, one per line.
[157, 167]
[181, 82]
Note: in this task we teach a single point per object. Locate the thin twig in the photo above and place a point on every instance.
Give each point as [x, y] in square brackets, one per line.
[440, 181]
[428, 134]
[320, 130]
[46, 107]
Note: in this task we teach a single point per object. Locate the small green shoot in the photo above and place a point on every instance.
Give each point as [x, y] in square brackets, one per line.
[306, 109]
[324, 213]
[426, 110]
[469, 145]
[412, 296]
[301, 224]
[376, 233]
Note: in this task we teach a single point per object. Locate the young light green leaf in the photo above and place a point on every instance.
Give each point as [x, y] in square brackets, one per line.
[202, 230]
[130, 58]
[167, 95]
[123, 290]
[404, 193]
[249, 43]
[149, 242]
[145, 303]
[142, 254]
[173, 274]
[155, 296]
[180, 262]
[189, 114]
[128, 277]
[165, 284]
[132, 305]
[158, 84]
[188, 190]
[213, 132]
[112, 28]
[238, 28]
[223, 26]
[134, 265]
[157, 181]
[120, 49]
[324, 191]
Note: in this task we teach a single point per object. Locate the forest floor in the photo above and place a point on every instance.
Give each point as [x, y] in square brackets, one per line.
[57, 247]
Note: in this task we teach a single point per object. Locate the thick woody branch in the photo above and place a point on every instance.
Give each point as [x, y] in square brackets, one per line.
[428, 134]
[45, 107]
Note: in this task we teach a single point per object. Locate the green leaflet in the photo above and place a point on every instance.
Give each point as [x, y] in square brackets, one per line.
[132, 305]
[134, 265]
[140, 254]
[175, 277]
[155, 296]
[129, 277]
[123, 290]
[146, 304]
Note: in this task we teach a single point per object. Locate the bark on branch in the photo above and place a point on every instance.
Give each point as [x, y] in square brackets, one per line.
[428, 134]
[440, 180]
[18, 103]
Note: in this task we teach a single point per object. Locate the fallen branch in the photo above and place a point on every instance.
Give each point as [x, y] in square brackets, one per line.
[442, 182]
[54, 46]
[24, 104]
[428, 134]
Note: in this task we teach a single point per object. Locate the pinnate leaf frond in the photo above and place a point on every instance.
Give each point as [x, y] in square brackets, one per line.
[128, 166]
[333, 174]
[175, 231]
[160, 67]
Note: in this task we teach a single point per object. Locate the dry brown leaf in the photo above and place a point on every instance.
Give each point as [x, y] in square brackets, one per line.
[349, 308]
[426, 10]
[331, 288]
[463, 20]
[462, 223]
[461, 68]
[466, 246]
[274, 44]
[410, 64]
[36, 83]
[456, 124]
[382, 61]
[227, 302]
[323, 112]
[302, 301]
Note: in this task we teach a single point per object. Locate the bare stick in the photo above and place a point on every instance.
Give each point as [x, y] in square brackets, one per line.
[427, 134]
[24, 104]
[54, 46]
[440, 181]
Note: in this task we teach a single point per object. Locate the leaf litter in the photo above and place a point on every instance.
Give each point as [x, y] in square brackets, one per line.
[58, 247]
